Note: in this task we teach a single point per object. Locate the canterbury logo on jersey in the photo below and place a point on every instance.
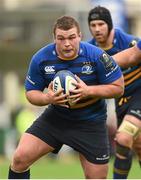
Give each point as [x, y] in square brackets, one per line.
[49, 70]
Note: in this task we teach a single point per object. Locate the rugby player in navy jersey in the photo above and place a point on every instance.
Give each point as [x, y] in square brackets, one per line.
[128, 107]
[81, 126]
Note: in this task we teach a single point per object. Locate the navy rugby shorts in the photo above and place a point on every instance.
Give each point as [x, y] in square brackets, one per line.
[131, 106]
[87, 137]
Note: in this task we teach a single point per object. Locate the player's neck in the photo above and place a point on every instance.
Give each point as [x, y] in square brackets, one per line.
[109, 41]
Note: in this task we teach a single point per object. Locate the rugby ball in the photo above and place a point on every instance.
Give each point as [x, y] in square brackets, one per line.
[64, 79]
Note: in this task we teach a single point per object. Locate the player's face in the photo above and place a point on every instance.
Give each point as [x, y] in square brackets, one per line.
[99, 30]
[67, 43]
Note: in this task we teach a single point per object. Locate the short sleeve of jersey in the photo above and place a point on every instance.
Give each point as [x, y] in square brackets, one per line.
[107, 69]
[34, 79]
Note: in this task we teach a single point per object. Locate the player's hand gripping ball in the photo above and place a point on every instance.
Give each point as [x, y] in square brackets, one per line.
[64, 79]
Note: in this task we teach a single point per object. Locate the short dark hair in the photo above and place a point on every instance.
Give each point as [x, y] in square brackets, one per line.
[101, 13]
[66, 23]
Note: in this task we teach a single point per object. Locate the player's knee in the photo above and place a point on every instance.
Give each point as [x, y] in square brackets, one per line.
[20, 161]
[124, 139]
[122, 151]
[99, 172]
[101, 175]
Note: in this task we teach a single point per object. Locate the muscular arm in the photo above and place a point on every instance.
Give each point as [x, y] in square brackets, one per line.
[129, 57]
[37, 98]
[113, 90]
[40, 98]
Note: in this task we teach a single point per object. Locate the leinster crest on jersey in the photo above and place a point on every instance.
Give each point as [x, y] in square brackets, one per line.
[87, 68]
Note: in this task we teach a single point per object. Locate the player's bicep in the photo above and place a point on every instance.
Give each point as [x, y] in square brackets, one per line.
[119, 82]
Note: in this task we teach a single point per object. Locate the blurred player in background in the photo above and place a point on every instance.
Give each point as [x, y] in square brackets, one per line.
[128, 107]
[81, 126]
[118, 11]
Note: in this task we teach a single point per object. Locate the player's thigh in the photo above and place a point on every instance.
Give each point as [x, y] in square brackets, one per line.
[93, 171]
[31, 147]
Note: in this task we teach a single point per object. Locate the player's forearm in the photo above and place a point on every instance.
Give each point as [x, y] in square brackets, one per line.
[113, 90]
[122, 58]
[106, 91]
[37, 98]
[129, 57]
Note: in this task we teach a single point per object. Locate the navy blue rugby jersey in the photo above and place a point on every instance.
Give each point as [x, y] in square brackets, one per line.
[92, 65]
[132, 75]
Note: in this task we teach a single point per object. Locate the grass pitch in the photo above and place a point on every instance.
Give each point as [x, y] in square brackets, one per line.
[64, 167]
